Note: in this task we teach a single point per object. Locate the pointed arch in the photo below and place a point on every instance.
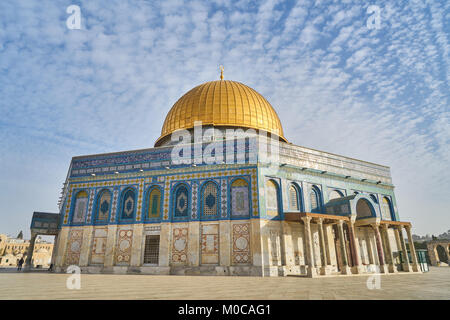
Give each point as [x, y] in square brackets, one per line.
[315, 199]
[103, 206]
[272, 198]
[128, 205]
[80, 207]
[240, 198]
[181, 202]
[387, 213]
[295, 198]
[209, 199]
[154, 202]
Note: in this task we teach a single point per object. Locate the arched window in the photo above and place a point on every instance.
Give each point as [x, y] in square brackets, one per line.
[314, 197]
[154, 203]
[363, 209]
[181, 203]
[209, 204]
[335, 194]
[386, 209]
[272, 198]
[79, 211]
[103, 206]
[239, 198]
[294, 198]
[128, 204]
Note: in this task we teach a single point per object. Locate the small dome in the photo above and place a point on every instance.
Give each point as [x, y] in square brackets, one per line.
[222, 103]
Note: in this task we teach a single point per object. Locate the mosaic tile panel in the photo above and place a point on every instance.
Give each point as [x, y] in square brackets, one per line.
[79, 212]
[74, 246]
[114, 205]
[241, 243]
[99, 245]
[69, 197]
[223, 193]
[194, 212]
[91, 202]
[210, 244]
[179, 245]
[139, 203]
[123, 249]
[209, 199]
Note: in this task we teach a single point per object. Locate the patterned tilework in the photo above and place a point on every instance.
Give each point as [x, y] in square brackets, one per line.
[223, 188]
[91, 202]
[99, 245]
[79, 212]
[123, 250]
[114, 205]
[139, 204]
[194, 200]
[166, 199]
[254, 183]
[181, 201]
[69, 197]
[210, 199]
[210, 244]
[241, 243]
[89, 182]
[103, 205]
[179, 245]
[239, 201]
[74, 246]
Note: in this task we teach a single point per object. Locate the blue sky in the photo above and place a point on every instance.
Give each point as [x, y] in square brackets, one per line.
[380, 95]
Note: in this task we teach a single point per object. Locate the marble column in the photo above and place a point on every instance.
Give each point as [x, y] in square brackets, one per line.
[406, 264]
[412, 249]
[380, 252]
[389, 253]
[345, 268]
[357, 266]
[311, 272]
[28, 262]
[323, 250]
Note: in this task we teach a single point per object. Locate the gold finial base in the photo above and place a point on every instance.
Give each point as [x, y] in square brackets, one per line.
[221, 72]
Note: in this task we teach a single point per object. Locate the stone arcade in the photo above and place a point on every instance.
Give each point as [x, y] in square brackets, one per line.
[309, 213]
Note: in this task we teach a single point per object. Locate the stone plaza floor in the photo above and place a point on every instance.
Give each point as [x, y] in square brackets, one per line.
[42, 285]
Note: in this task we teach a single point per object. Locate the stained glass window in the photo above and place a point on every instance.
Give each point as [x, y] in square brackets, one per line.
[154, 203]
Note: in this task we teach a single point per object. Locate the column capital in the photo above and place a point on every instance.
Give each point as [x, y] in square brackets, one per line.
[340, 222]
[320, 221]
[385, 226]
[306, 219]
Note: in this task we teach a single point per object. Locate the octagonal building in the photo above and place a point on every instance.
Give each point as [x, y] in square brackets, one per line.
[223, 192]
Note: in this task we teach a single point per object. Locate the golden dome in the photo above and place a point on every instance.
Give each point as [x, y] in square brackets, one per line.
[222, 103]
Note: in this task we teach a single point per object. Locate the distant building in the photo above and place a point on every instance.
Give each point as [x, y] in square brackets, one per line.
[12, 249]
